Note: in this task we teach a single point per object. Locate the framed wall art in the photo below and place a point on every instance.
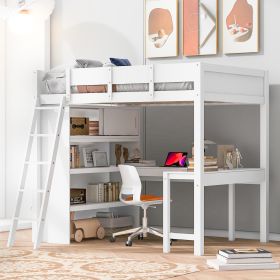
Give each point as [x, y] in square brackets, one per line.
[240, 26]
[200, 27]
[161, 34]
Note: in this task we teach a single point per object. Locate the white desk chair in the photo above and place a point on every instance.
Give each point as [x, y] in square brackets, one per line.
[130, 194]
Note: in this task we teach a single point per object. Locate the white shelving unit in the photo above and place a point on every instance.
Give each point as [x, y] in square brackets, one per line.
[103, 143]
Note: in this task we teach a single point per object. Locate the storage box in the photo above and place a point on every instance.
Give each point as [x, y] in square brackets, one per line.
[77, 196]
[118, 222]
[79, 126]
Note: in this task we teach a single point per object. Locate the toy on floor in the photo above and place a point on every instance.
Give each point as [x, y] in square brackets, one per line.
[86, 228]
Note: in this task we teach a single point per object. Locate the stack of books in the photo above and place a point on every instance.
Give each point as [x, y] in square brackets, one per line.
[243, 259]
[74, 156]
[103, 192]
[210, 164]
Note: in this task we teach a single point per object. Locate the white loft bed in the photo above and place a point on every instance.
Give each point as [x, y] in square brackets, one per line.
[211, 84]
[214, 82]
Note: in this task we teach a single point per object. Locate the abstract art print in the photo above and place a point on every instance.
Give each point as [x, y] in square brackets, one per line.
[240, 26]
[161, 33]
[200, 27]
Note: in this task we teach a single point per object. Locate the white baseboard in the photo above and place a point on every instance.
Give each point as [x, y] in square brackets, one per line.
[5, 225]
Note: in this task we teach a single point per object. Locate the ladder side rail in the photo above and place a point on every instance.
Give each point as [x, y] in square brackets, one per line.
[23, 179]
[47, 189]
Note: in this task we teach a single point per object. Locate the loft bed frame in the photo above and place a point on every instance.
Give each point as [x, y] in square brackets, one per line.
[212, 84]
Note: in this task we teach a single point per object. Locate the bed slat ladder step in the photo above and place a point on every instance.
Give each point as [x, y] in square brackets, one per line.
[49, 178]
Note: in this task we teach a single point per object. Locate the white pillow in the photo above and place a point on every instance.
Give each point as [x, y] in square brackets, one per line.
[87, 63]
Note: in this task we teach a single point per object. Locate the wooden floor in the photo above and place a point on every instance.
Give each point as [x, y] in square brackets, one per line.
[182, 251]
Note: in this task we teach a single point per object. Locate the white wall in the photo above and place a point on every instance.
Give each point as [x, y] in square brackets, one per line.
[2, 115]
[97, 29]
[27, 51]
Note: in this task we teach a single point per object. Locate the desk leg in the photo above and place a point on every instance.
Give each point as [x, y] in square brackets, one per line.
[231, 212]
[264, 210]
[198, 220]
[166, 214]
[264, 163]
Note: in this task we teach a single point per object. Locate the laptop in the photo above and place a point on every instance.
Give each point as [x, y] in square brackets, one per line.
[176, 159]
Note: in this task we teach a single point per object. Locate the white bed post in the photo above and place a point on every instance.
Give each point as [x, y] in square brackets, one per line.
[231, 212]
[264, 163]
[199, 165]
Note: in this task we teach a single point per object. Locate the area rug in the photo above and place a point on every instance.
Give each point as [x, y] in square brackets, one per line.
[26, 264]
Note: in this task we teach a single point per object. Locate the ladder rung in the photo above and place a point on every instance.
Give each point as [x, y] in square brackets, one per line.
[47, 108]
[38, 162]
[41, 135]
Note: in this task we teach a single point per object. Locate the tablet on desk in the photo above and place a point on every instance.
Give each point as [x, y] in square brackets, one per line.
[176, 159]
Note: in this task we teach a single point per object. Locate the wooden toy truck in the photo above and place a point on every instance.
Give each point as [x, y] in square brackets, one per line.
[86, 228]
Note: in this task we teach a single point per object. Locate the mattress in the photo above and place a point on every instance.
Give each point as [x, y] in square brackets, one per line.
[57, 86]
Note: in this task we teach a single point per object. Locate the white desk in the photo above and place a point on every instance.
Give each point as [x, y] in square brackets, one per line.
[221, 177]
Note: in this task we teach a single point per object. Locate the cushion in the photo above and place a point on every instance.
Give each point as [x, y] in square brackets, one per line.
[120, 61]
[87, 63]
[146, 197]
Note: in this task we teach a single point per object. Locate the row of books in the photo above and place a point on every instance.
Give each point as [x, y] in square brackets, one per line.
[75, 161]
[243, 259]
[103, 192]
[210, 164]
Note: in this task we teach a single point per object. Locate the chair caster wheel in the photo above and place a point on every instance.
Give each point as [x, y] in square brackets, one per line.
[128, 243]
[112, 239]
[140, 237]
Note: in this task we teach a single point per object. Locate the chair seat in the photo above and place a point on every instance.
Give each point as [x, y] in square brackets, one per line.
[146, 198]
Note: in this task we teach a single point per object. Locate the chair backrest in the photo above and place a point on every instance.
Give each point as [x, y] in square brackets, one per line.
[131, 183]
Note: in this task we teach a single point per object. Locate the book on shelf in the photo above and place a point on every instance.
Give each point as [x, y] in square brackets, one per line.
[243, 259]
[74, 156]
[103, 192]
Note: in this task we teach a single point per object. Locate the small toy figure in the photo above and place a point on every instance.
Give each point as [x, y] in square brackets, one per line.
[238, 158]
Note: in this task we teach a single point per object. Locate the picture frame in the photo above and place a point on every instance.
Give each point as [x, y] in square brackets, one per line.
[100, 159]
[200, 27]
[241, 26]
[161, 28]
[87, 156]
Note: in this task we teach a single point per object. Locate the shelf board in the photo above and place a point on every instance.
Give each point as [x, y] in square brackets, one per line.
[94, 170]
[95, 206]
[103, 139]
